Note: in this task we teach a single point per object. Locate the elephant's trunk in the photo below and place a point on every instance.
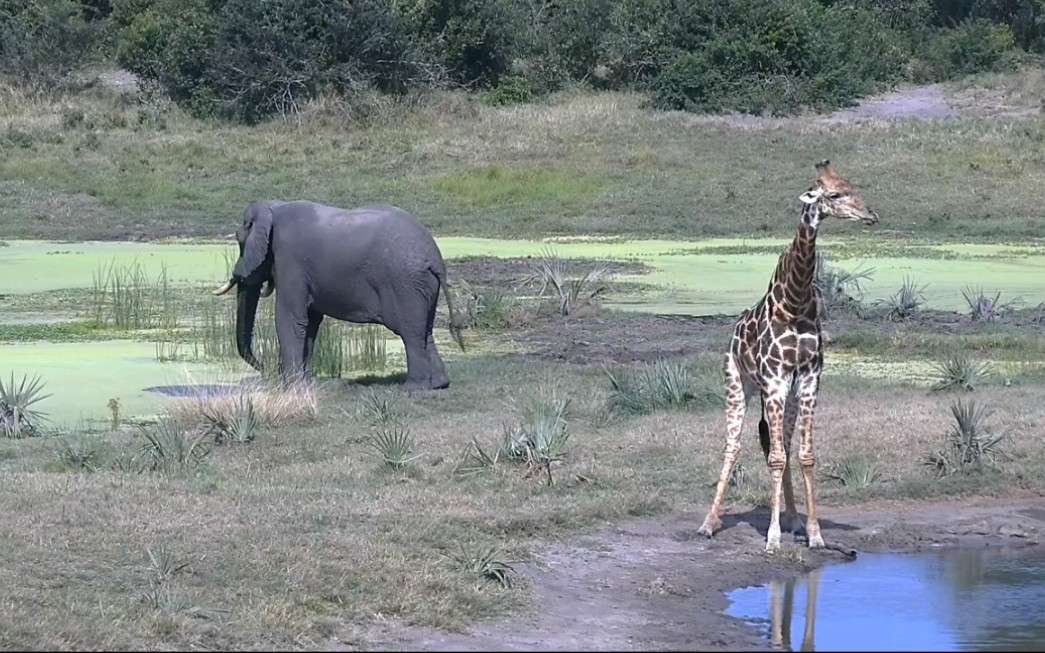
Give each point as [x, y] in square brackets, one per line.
[246, 310]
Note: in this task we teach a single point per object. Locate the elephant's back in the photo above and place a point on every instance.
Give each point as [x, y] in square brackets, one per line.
[381, 230]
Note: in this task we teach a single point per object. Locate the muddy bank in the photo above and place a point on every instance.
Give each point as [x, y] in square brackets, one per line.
[657, 585]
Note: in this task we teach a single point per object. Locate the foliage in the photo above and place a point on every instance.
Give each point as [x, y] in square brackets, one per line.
[976, 45]
[905, 304]
[170, 448]
[660, 385]
[777, 56]
[486, 563]
[235, 422]
[382, 408]
[167, 44]
[18, 417]
[969, 443]
[857, 473]
[959, 372]
[550, 272]
[84, 453]
[983, 308]
[394, 445]
[838, 289]
[475, 41]
[247, 60]
[43, 43]
[540, 434]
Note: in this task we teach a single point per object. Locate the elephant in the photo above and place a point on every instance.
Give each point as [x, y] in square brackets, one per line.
[375, 264]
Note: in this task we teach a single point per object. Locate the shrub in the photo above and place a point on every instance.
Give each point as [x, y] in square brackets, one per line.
[394, 445]
[660, 385]
[550, 273]
[836, 288]
[474, 41]
[969, 443]
[976, 45]
[18, 416]
[540, 435]
[486, 563]
[857, 473]
[959, 372]
[777, 56]
[44, 42]
[905, 304]
[168, 45]
[170, 448]
[983, 308]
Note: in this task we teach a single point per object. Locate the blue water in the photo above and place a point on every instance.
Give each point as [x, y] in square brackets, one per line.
[958, 600]
[197, 391]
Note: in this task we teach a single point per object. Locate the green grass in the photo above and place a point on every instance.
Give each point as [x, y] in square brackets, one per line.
[572, 165]
[496, 185]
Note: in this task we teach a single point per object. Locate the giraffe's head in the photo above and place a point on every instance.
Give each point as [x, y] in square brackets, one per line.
[836, 197]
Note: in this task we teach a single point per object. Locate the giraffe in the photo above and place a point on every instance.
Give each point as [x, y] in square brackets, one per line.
[776, 351]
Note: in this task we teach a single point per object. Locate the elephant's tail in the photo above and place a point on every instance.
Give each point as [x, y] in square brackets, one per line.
[455, 326]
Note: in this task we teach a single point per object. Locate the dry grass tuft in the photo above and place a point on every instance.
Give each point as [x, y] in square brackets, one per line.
[271, 406]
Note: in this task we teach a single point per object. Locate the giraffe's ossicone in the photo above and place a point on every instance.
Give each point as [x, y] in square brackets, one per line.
[776, 351]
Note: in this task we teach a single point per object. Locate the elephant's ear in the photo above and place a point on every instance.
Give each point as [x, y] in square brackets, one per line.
[256, 244]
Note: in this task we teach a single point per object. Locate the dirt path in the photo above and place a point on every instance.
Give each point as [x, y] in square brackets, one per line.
[657, 585]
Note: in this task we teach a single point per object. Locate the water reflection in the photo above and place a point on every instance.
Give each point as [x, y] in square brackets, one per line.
[963, 600]
[781, 606]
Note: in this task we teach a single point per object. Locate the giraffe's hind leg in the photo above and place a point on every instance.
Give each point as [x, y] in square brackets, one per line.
[737, 393]
[792, 523]
[807, 391]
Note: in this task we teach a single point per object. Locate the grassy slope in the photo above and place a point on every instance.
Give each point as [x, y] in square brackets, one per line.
[103, 167]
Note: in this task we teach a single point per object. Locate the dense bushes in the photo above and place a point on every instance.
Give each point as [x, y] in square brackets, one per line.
[247, 60]
[43, 42]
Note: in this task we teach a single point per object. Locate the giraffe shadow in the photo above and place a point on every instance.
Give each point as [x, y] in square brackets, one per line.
[758, 519]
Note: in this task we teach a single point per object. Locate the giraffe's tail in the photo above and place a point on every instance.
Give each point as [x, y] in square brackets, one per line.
[763, 436]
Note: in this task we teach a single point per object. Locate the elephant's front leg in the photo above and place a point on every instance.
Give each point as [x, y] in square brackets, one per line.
[291, 329]
[315, 319]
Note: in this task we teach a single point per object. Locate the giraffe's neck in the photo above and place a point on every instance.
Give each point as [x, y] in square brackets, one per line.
[791, 290]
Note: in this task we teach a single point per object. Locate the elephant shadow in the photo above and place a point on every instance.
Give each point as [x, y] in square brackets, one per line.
[366, 380]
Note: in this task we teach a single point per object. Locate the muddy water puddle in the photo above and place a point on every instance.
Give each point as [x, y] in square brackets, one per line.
[955, 600]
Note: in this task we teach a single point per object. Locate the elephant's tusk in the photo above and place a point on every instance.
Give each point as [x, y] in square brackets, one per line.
[267, 289]
[224, 289]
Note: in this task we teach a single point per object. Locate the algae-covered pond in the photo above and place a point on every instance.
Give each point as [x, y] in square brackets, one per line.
[721, 276]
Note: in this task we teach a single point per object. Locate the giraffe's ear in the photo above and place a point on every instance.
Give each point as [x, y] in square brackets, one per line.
[810, 196]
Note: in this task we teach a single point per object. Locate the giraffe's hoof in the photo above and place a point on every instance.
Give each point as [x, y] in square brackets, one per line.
[816, 541]
[773, 542]
[708, 528]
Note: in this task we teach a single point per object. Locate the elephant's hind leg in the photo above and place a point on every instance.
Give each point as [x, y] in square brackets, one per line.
[438, 378]
[418, 363]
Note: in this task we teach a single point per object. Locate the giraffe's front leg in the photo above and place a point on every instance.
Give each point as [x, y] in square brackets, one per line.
[807, 390]
[794, 524]
[774, 398]
[736, 405]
